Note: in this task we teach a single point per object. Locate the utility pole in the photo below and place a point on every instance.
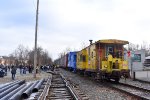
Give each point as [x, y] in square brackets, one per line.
[35, 49]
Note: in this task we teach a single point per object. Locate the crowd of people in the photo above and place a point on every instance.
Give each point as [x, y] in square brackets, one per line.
[4, 69]
[24, 69]
[47, 67]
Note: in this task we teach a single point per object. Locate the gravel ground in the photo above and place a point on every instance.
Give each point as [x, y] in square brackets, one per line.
[94, 90]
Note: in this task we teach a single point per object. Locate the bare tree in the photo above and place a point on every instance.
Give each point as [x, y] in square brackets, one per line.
[31, 57]
[43, 57]
[21, 55]
[11, 59]
[144, 45]
[67, 50]
[83, 45]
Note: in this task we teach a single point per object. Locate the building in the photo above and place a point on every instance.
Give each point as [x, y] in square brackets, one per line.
[7, 60]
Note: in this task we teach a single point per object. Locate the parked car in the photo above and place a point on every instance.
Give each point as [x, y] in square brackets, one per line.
[2, 72]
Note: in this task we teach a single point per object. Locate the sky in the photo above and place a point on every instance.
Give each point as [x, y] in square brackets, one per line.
[71, 24]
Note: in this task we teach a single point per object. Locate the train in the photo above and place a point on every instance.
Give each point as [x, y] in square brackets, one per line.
[103, 59]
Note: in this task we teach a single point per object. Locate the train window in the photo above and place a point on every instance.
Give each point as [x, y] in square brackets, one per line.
[119, 54]
[110, 50]
[84, 58]
[81, 57]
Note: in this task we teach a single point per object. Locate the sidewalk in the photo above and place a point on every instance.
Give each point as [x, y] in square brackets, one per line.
[28, 76]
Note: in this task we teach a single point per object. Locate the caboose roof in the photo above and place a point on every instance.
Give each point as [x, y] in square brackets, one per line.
[113, 41]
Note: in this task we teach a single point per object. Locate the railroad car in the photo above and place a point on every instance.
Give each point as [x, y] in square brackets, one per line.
[57, 62]
[63, 61]
[104, 59]
[72, 56]
[81, 60]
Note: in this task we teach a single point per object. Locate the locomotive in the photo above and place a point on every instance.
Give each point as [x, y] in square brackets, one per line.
[103, 59]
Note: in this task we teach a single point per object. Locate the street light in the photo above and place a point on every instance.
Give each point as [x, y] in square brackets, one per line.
[35, 49]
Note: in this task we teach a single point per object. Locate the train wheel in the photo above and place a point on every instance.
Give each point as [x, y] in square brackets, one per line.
[117, 80]
[101, 77]
[126, 75]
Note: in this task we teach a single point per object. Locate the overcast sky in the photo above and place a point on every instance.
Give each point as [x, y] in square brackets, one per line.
[71, 23]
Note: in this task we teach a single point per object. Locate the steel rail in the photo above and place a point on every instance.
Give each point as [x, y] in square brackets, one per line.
[59, 88]
[133, 86]
[143, 81]
[141, 97]
[45, 90]
[59, 80]
[74, 91]
[127, 92]
[74, 94]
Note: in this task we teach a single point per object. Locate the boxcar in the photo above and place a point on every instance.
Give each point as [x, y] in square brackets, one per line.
[72, 56]
[64, 61]
[57, 62]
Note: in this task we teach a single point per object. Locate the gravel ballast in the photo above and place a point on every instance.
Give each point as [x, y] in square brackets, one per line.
[95, 90]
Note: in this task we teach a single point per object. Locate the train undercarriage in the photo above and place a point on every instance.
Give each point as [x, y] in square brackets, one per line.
[103, 75]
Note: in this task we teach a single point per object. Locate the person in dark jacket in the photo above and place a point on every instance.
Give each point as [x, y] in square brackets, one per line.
[13, 72]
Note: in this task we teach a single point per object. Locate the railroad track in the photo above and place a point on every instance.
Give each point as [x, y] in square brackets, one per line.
[138, 92]
[58, 87]
[44, 92]
[141, 93]
[143, 81]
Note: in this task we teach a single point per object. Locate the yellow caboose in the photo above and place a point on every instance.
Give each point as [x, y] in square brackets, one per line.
[81, 60]
[104, 59]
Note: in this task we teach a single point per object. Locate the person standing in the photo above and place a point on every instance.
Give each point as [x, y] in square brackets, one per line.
[8, 67]
[13, 72]
[29, 69]
[6, 70]
[21, 69]
[37, 68]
